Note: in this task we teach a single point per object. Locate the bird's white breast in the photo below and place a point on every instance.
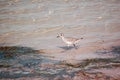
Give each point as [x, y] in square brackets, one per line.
[66, 41]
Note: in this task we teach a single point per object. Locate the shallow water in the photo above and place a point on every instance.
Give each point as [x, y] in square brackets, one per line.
[38, 21]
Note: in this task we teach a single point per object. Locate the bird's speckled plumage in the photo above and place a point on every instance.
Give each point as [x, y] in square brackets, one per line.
[69, 40]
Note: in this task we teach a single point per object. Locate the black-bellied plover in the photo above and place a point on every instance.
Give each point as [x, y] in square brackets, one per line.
[69, 40]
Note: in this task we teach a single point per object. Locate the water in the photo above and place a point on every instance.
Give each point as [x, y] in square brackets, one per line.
[29, 15]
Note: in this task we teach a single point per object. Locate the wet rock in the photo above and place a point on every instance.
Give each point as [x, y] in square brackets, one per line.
[42, 51]
[7, 63]
[66, 77]
[17, 65]
[47, 65]
[25, 72]
[57, 78]
[82, 75]
[4, 65]
[29, 62]
[9, 52]
[35, 64]
[49, 71]
[116, 49]
[17, 72]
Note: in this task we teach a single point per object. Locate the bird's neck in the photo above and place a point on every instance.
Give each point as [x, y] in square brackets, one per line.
[62, 37]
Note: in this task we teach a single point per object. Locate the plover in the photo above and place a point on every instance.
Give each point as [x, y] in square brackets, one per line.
[69, 40]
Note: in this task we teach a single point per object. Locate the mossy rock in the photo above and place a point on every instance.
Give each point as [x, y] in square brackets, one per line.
[13, 51]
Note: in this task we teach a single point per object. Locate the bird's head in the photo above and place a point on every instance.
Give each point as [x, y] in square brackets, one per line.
[60, 35]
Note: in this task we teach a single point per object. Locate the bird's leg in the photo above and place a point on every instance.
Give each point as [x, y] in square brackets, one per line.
[75, 46]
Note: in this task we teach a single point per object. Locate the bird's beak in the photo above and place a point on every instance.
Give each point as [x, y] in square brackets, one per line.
[58, 36]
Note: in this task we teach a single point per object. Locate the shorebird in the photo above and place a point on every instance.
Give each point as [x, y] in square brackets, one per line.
[69, 40]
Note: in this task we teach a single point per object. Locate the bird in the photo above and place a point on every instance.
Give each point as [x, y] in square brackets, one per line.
[69, 40]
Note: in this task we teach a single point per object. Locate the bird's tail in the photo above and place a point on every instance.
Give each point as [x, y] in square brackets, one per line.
[78, 40]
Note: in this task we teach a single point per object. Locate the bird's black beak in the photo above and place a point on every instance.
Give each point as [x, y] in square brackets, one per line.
[58, 36]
